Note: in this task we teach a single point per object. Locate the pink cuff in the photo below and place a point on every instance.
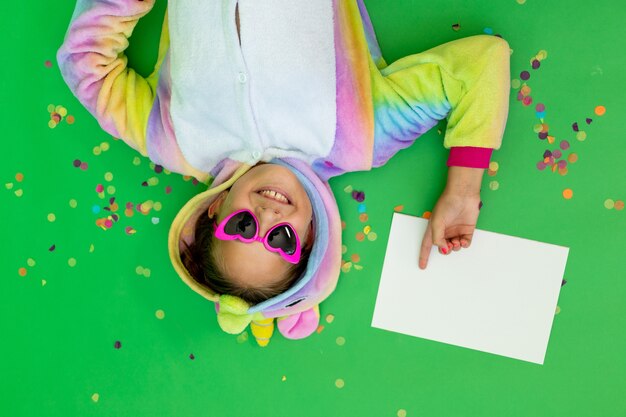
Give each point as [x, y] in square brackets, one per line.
[469, 157]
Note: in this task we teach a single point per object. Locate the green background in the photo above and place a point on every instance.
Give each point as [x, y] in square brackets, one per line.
[58, 339]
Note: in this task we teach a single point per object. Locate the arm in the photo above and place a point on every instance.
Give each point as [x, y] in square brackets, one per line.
[93, 64]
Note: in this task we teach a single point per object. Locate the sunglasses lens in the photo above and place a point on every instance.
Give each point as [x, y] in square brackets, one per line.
[241, 224]
[283, 238]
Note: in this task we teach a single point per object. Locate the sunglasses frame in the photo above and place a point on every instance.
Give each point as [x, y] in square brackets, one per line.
[221, 234]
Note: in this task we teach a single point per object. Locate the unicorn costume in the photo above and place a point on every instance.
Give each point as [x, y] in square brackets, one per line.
[303, 84]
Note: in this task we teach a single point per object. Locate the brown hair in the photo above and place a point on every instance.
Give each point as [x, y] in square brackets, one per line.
[199, 259]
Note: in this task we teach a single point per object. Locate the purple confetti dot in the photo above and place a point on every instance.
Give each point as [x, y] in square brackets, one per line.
[540, 107]
[52, 248]
[536, 63]
[524, 75]
[358, 196]
[556, 153]
[562, 163]
[547, 153]
[195, 181]
[542, 135]
[588, 120]
[76, 163]
[84, 166]
[117, 344]
[115, 217]
[144, 184]
[563, 283]
[541, 165]
[575, 127]
[480, 205]
[191, 356]
[520, 96]
[564, 145]
[158, 169]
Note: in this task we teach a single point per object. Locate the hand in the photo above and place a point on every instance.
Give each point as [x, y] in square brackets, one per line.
[453, 220]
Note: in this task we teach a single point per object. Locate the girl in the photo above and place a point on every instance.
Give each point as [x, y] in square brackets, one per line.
[266, 100]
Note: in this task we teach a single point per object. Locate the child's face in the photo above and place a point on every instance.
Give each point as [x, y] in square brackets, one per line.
[251, 264]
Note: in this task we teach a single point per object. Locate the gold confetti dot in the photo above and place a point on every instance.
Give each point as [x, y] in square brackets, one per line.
[572, 157]
[95, 397]
[494, 185]
[97, 150]
[71, 262]
[111, 189]
[600, 110]
[339, 383]
[609, 204]
[515, 83]
[243, 337]
[51, 217]
[521, 1]
[9, 185]
[62, 111]
[359, 267]
[160, 314]
[346, 267]
[372, 236]
[50, 108]
[344, 249]
[348, 189]
[136, 161]
[541, 55]
[401, 413]
[284, 378]
[158, 206]
[139, 270]
[146, 273]
[73, 203]
[568, 193]
[494, 166]
[104, 146]
[52, 124]
[30, 262]
[341, 341]
[330, 318]
[557, 310]
[581, 136]
[19, 192]
[153, 181]
[43, 282]
[91, 248]
[108, 176]
[367, 229]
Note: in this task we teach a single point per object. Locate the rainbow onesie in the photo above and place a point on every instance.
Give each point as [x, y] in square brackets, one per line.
[303, 84]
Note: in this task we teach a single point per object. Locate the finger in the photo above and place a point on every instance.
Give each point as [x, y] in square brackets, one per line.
[438, 232]
[456, 244]
[427, 244]
[466, 241]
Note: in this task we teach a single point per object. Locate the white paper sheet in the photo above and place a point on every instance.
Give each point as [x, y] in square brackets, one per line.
[497, 296]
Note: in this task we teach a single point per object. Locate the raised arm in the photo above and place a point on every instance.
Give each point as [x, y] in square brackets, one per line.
[93, 64]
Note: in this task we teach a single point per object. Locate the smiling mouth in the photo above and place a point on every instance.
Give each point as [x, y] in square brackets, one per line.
[274, 195]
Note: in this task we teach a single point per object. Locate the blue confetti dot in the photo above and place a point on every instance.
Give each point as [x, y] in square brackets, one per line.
[488, 31]
[541, 114]
[361, 208]
[95, 209]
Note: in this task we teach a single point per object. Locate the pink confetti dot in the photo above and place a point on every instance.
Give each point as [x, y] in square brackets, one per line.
[99, 188]
[527, 100]
[168, 189]
[48, 64]
[564, 145]
[108, 223]
[541, 165]
[556, 153]
[540, 107]
[84, 166]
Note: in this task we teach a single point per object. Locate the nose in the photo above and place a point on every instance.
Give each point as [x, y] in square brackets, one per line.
[268, 216]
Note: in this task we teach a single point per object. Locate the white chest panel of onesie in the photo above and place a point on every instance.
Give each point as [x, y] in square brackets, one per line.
[273, 95]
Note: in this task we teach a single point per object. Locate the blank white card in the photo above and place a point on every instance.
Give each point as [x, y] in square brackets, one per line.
[497, 296]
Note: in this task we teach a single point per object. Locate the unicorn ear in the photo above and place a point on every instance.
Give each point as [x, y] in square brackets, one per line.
[233, 314]
[300, 325]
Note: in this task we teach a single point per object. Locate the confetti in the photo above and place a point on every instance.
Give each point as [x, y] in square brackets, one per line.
[191, 356]
[619, 205]
[340, 383]
[600, 110]
[426, 214]
[284, 378]
[568, 193]
[360, 236]
[73, 203]
[355, 258]
[320, 329]
[71, 262]
[494, 185]
[363, 217]
[456, 27]
[52, 248]
[243, 337]
[401, 412]
[609, 204]
[95, 397]
[19, 177]
[51, 217]
[139, 270]
[22, 272]
[340, 341]
[358, 196]
[30, 262]
[348, 189]
[372, 236]
[330, 318]
[117, 344]
[160, 314]
[398, 208]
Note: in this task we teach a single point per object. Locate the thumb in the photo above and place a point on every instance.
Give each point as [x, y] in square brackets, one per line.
[427, 244]
[438, 232]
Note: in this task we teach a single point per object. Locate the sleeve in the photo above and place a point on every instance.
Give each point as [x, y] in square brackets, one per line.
[466, 80]
[94, 66]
